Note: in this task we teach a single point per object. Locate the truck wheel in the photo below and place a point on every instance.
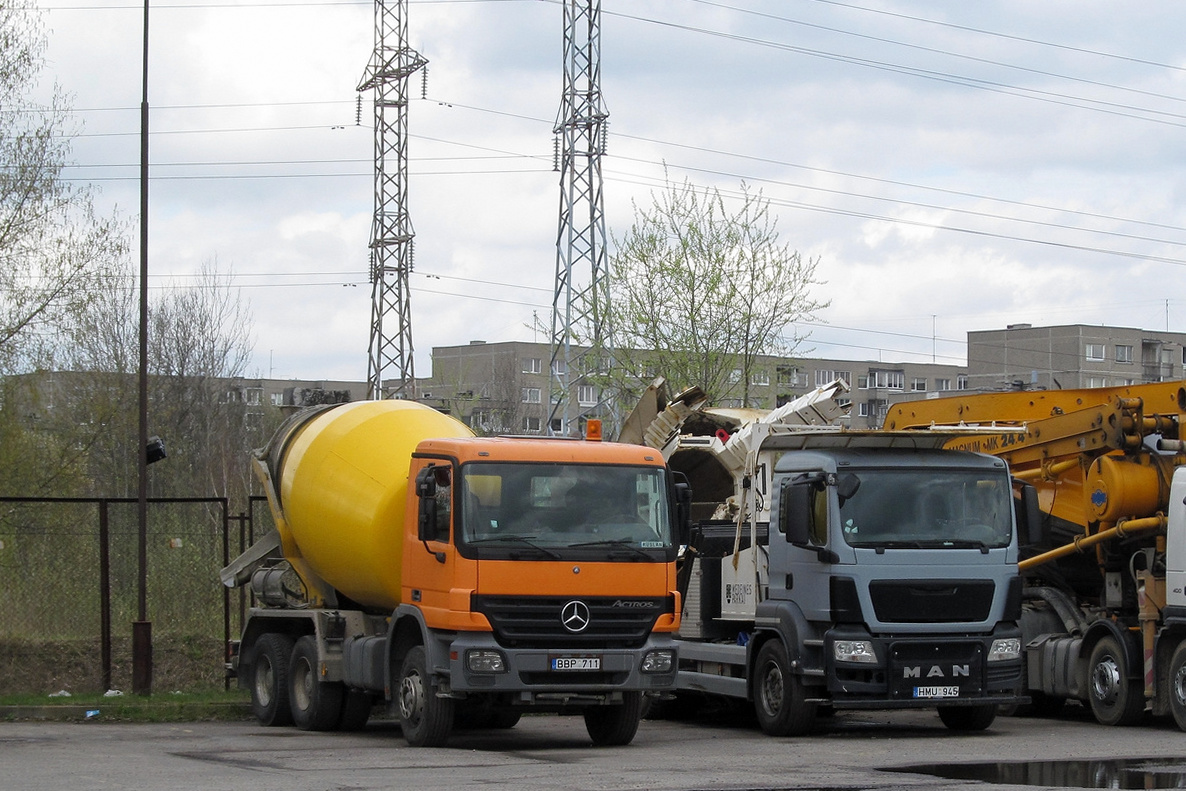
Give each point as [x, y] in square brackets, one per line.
[505, 718]
[1115, 698]
[316, 704]
[1178, 685]
[779, 697]
[968, 718]
[426, 720]
[612, 726]
[356, 710]
[269, 680]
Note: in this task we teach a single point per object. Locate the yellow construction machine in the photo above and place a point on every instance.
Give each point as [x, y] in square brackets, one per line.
[1104, 619]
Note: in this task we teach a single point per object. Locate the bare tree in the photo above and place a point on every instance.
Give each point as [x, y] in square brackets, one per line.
[52, 246]
[700, 288]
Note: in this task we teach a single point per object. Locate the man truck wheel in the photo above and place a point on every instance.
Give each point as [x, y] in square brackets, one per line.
[968, 718]
[316, 704]
[612, 726]
[1115, 699]
[1178, 685]
[269, 680]
[779, 698]
[426, 720]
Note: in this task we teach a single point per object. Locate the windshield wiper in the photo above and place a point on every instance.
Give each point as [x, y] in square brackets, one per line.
[966, 543]
[526, 540]
[624, 543]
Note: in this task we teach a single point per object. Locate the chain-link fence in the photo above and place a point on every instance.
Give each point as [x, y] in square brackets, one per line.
[70, 585]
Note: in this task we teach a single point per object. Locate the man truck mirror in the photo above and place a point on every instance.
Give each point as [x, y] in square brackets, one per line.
[1030, 526]
[794, 510]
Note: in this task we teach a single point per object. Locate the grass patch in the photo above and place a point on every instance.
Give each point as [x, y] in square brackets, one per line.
[233, 705]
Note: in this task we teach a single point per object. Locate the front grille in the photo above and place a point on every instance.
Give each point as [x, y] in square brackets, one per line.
[535, 621]
[931, 601]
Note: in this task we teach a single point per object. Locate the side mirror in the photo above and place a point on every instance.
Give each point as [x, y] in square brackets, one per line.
[794, 510]
[428, 522]
[683, 510]
[1031, 527]
[426, 483]
[847, 485]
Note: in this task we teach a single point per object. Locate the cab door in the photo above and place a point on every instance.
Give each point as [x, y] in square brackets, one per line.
[435, 577]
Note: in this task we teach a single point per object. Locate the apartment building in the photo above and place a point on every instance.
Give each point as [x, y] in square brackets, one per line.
[505, 386]
[1072, 356]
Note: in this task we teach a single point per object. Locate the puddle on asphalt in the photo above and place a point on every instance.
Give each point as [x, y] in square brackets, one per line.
[1111, 773]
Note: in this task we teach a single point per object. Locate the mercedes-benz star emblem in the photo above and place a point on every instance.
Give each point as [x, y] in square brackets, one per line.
[575, 616]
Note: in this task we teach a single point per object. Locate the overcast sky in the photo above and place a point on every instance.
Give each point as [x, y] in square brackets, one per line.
[954, 166]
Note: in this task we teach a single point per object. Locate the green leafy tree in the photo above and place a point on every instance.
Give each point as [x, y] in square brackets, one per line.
[701, 288]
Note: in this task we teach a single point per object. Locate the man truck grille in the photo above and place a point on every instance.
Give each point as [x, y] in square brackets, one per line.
[931, 601]
[566, 622]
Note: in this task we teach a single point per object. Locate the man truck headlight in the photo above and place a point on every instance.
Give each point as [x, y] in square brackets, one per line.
[854, 651]
[485, 661]
[658, 661]
[1004, 649]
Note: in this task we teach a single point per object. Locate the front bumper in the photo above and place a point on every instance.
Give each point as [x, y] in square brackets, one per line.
[917, 671]
[529, 671]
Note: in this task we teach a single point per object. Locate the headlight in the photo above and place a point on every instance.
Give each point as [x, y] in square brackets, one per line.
[484, 661]
[1005, 649]
[854, 651]
[658, 662]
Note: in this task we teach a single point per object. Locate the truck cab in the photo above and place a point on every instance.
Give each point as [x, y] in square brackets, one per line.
[875, 553]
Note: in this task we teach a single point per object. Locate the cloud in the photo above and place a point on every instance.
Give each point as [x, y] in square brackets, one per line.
[954, 167]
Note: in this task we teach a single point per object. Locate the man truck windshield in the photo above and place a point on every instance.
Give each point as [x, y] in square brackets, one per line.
[564, 506]
[901, 508]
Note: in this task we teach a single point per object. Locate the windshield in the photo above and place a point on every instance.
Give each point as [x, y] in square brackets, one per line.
[908, 508]
[549, 507]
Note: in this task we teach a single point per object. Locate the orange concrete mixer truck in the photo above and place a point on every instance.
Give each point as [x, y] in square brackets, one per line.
[457, 578]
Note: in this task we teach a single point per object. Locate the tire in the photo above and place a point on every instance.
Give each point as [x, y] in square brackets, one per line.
[269, 680]
[504, 719]
[425, 719]
[1177, 685]
[356, 710]
[316, 704]
[968, 718]
[613, 726]
[1115, 698]
[780, 700]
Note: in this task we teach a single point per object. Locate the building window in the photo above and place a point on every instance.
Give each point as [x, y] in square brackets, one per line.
[559, 367]
[277, 399]
[531, 424]
[587, 395]
[735, 376]
[823, 377]
[531, 395]
[532, 365]
[887, 380]
[862, 382]
[1095, 352]
[1097, 381]
[961, 382]
[863, 409]
[255, 396]
[942, 384]
[918, 384]
[760, 378]
[788, 377]
[845, 375]
[1123, 354]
